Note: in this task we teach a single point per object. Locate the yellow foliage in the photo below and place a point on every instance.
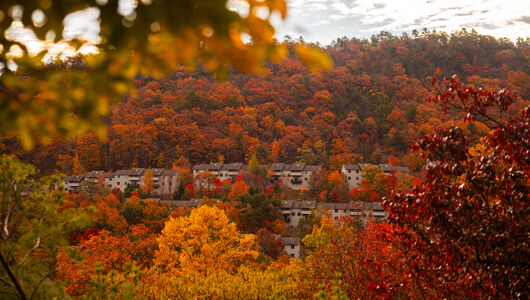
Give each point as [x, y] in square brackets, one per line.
[148, 182]
[315, 58]
[203, 241]
[155, 37]
[247, 283]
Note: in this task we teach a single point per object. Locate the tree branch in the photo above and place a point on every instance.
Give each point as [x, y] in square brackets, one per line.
[12, 277]
[5, 233]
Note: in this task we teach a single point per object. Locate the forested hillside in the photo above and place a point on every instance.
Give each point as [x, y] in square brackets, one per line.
[368, 108]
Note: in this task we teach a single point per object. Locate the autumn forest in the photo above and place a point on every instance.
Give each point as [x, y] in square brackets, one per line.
[368, 108]
[452, 109]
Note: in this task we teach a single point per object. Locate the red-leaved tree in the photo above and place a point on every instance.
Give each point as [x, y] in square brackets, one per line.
[466, 227]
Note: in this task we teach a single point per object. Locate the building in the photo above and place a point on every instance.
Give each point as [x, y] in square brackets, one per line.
[390, 169]
[353, 174]
[71, 183]
[230, 171]
[292, 246]
[168, 182]
[135, 176]
[164, 181]
[110, 179]
[93, 175]
[294, 176]
[293, 211]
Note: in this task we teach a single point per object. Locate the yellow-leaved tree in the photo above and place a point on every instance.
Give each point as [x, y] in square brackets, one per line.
[148, 182]
[202, 242]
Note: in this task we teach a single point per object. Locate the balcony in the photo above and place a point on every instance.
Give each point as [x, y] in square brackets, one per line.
[296, 180]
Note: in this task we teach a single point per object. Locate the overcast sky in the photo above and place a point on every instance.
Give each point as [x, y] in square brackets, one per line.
[326, 20]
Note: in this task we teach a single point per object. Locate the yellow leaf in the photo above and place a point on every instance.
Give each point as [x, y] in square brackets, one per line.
[278, 5]
[314, 58]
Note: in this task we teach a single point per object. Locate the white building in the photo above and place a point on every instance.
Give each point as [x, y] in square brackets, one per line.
[168, 182]
[293, 211]
[71, 183]
[292, 246]
[353, 174]
[164, 181]
[294, 176]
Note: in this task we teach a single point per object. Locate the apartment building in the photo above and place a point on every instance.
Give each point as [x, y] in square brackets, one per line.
[164, 181]
[71, 183]
[167, 182]
[292, 246]
[353, 173]
[93, 175]
[295, 176]
[110, 178]
[294, 211]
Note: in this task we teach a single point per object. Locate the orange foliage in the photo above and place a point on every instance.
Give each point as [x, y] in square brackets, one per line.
[239, 188]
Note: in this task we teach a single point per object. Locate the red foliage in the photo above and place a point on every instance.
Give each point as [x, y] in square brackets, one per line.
[466, 226]
[89, 233]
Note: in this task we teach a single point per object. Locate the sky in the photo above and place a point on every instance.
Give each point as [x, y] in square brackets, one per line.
[327, 20]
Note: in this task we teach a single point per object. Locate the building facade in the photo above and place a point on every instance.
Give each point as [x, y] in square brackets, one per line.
[353, 174]
[164, 181]
[294, 176]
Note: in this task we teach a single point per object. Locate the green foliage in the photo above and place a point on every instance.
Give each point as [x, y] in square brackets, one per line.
[132, 211]
[336, 293]
[33, 227]
[116, 285]
[262, 153]
[253, 165]
[127, 193]
[258, 209]
[411, 111]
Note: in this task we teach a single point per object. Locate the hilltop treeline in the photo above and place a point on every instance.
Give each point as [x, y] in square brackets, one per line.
[369, 107]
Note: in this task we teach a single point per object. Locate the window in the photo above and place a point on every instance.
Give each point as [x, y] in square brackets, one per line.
[293, 214]
[118, 183]
[356, 178]
[349, 171]
[305, 179]
[336, 218]
[292, 254]
[357, 172]
[299, 214]
[292, 246]
[336, 210]
[305, 172]
[345, 210]
[349, 177]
